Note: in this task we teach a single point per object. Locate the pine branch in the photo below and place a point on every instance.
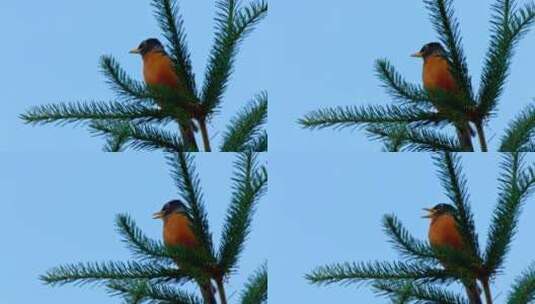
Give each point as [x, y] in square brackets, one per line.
[411, 248]
[96, 273]
[80, 112]
[246, 125]
[134, 297]
[143, 248]
[404, 138]
[454, 106]
[177, 103]
[519, 135]
[461, 263]
[126, 88]
[509, 26]
[454, 183]
[259, 143]
[515, 185]
[144, 137]
[523, 291]
[232, 26]
[348, 273]
[188, 184]
[401, 297]
[418, 294]
[398, 87]
[116, 140]
[256, 288]
[447, 26]
[250, 183]
[172, 25]
[354, 116]
[152, 293]
[498, 58]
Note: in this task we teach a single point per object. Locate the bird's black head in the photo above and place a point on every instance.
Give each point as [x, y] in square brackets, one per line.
[440, 209]
[171, 207]
[430, 49]
[149, 45]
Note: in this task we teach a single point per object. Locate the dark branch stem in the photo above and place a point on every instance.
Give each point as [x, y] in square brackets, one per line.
[465, 138]
[188, 136]
[207, 293]
[221, 291]
[486, 289]
[482, 137]
[204, 133]
[473, 294]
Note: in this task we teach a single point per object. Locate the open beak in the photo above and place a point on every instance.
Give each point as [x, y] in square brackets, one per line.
[135, 51]
[418, 55]
[157, 215]
[430, 213]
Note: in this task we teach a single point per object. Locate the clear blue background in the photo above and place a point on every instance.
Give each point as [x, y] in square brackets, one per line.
[329, 208]
[57, 209]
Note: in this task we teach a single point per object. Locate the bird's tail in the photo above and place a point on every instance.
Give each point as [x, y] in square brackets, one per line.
[473, 292]
[208, 293]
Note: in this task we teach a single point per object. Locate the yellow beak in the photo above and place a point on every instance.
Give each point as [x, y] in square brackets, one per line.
[430, 213]
[418, 55]
[157, 215]
[135, 51]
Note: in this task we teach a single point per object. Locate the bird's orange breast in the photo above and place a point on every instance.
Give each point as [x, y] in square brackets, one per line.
[443, 232]
[158, 69]
[437, 75]
[177, 231]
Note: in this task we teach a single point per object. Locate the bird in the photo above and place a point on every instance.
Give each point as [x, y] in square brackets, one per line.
[444, 232]
[159, 69]
[436, 75]
[177, 231]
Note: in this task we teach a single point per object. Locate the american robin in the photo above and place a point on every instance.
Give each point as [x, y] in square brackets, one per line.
[177, 231]
[444, 232]
[437, 75]
[159, 69]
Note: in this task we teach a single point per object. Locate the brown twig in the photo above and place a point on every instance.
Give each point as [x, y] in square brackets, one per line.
[204, 133]
[486, 290]
[482, 137]
[221, 290]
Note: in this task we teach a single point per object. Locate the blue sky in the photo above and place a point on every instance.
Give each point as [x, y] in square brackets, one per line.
[330, 207]
[59, 209]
